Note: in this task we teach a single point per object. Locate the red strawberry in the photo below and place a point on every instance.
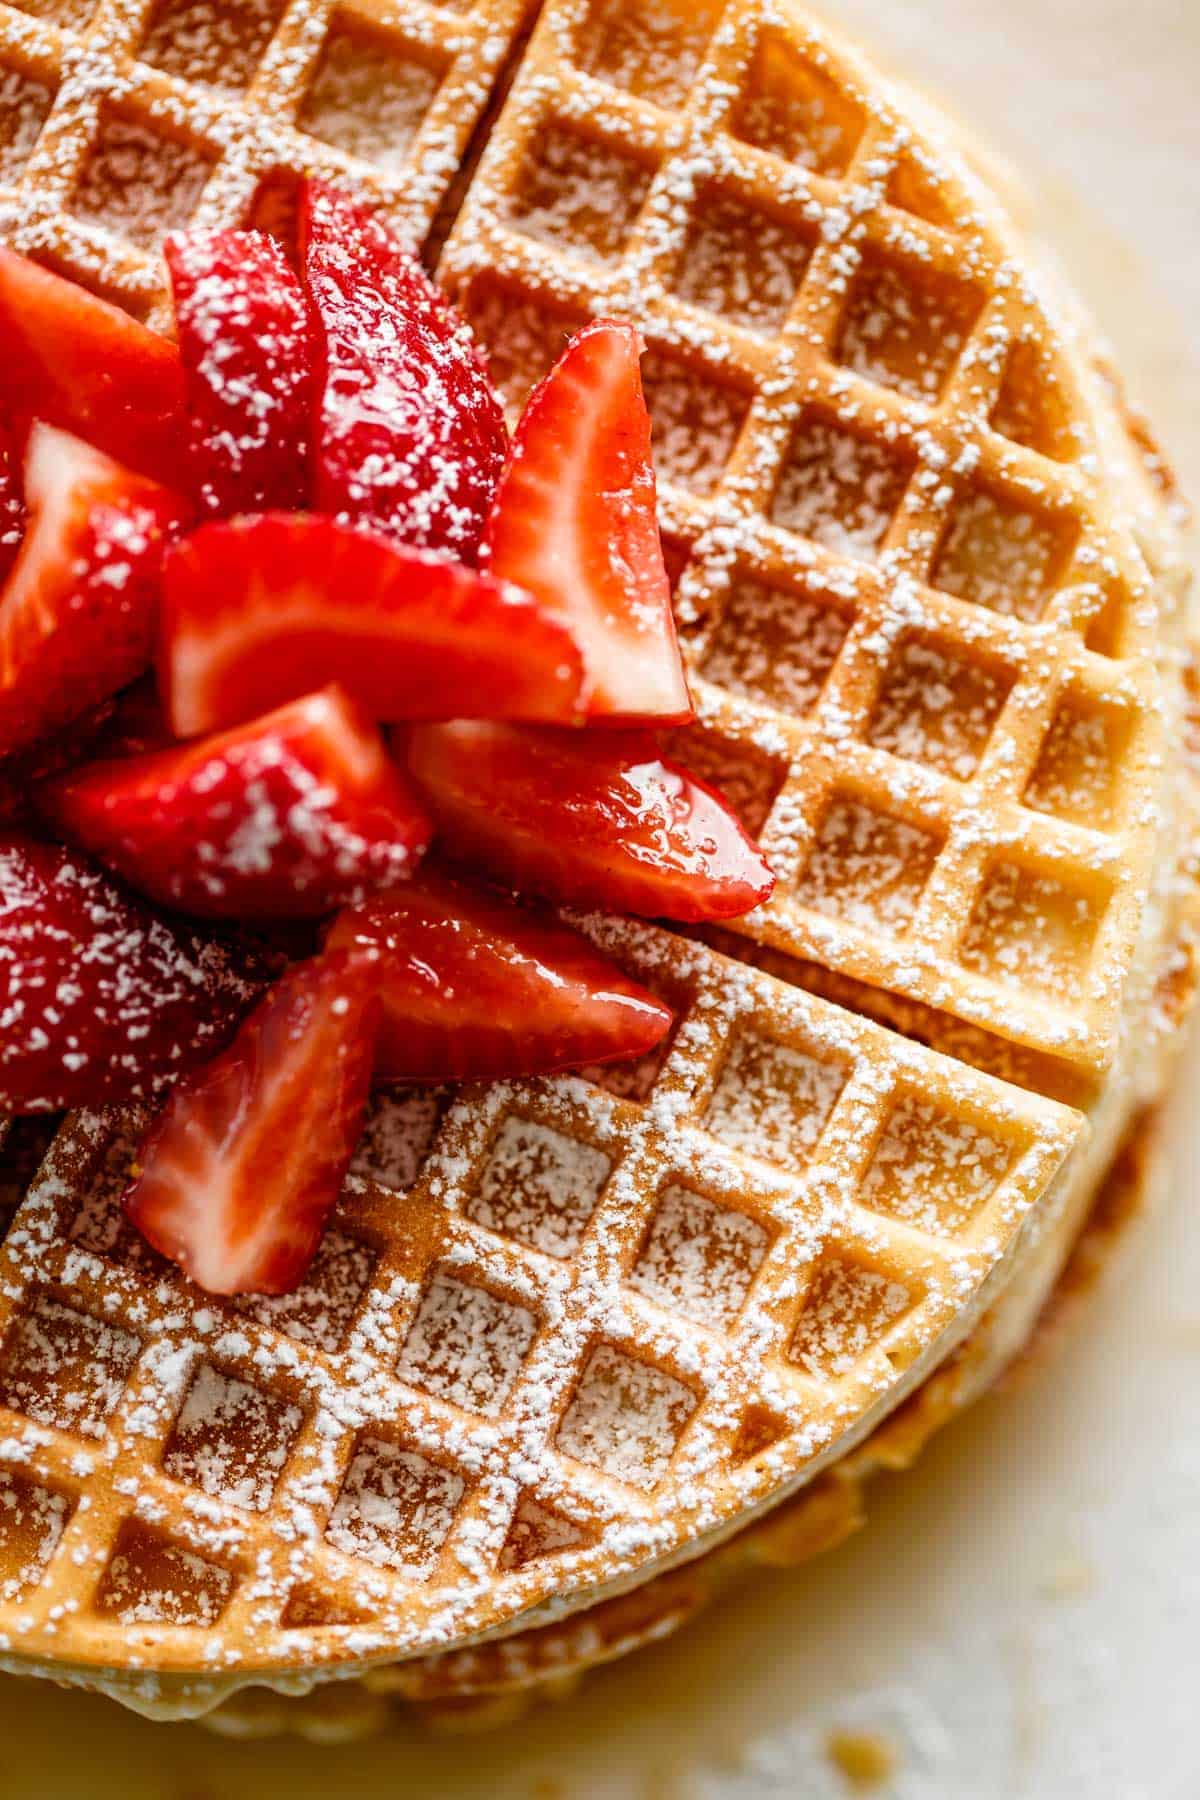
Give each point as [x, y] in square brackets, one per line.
[409, 435]
[99, 1000]
[575, 523]
[79, 363]
[12, 501]
[239, 1174]
[475, 988]
[289, 816]
[588, 819]
[264, 608]
[243, 334]
[77, 613]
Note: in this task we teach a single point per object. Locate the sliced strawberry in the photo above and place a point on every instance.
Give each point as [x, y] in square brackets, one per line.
[589, 819]
[474, 988]
[289, 816]
[575, 523]
[244, 337]
[239, 1174]
[265, 608]
[409, 435]
[12, 501]
[78, 611]
[79, 363]
[99, 1000]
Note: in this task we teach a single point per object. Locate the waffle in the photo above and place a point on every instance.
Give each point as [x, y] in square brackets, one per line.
[563, 1335]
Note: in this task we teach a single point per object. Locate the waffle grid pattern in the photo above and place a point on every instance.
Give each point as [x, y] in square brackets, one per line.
[929, 639]
[454, 1425]
[122, 119]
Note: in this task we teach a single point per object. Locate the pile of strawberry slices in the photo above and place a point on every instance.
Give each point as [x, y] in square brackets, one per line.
[377, 630]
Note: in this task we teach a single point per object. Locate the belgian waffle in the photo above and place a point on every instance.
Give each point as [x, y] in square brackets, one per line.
[562, 1335]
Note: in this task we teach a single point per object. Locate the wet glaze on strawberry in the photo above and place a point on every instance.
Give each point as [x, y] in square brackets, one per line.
[289, 816]
[265, 608]
[590, 819]
[408, 434]
[474, 987]
[100, 1000]
[12, 500]
[240, 1172]
[78, 611]
[575, 523]
[72, 360]
[242, 321]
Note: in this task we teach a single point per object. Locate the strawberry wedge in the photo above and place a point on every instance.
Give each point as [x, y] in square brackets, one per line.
[99, 1000]
[575, 524]
[241, 1171]
[287, 817]
[475, 988]
[78, 611]
[262, 609]
[242, 321]
[77, 362]
[587, 819]
[409, 435]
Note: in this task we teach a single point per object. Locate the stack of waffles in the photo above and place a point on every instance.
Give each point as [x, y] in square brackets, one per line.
[573, 1349]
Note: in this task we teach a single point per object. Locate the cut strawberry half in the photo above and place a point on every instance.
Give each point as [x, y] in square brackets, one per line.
[78, 611]
[261, 609]
[79, 363]
[474, 988]
[240, 1173]
[575, 523]
[99, 1000]
[288, 816]
[409, 435]
[244, 337]
[588, 819]
[12, 501]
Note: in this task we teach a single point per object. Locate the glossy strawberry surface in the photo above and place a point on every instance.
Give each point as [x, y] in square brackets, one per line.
[409, 435]
[473, 987]
[587, 818]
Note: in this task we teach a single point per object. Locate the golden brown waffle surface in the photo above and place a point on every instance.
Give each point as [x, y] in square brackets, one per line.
[561, 1333]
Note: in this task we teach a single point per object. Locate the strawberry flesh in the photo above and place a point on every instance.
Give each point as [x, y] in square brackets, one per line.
[475, 988]
[75, 361]
[262, 609]
[243, 330]
[99, 1000]
[79, 608]
[594, 819]
[575, 523]
[289, 816]
[12, 501]
[238, 1176]
[408, 433]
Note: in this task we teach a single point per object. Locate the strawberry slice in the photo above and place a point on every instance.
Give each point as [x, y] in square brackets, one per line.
[575, 523]
[243, 334]
[588, 819]
[475, 988]
[78, 611]
[12, 501]
[240, 1173]
[79, 363]
[99, 1000]
[409, 435]
[264, 608]
[289, 816]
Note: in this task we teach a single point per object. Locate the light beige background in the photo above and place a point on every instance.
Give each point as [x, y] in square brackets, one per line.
[1020, 1620]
